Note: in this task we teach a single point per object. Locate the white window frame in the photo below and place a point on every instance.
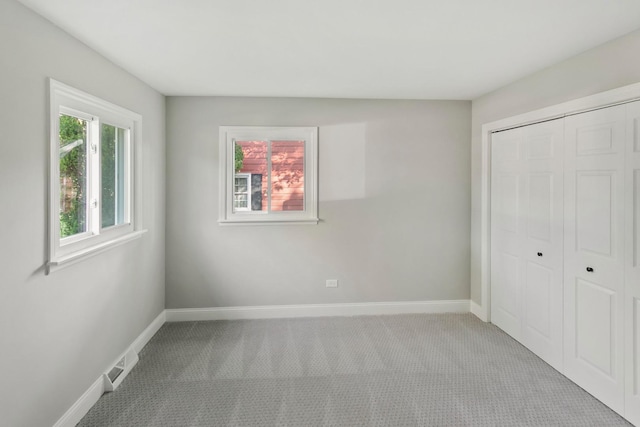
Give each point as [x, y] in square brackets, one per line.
[228, 136]
[246, 176]
[70, 101]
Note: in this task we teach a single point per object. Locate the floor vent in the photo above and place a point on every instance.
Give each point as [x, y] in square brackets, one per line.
[120, 369]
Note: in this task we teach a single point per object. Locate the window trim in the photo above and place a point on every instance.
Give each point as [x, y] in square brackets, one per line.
[227, 137]
[64, 99]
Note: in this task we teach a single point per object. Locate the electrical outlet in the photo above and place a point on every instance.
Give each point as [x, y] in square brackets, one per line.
[332, 283]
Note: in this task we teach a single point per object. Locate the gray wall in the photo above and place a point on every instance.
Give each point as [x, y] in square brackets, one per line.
[394, 205]
[59, 332]
[606, 67]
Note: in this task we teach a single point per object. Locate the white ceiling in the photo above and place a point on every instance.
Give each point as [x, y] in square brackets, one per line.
[410, 49]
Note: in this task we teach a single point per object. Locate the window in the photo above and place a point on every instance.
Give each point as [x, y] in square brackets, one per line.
[268, 175]
[241, 192]
[92, 175]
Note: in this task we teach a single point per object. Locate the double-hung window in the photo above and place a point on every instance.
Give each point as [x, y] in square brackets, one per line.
[268, 175]
[94, 154]
[242, 192]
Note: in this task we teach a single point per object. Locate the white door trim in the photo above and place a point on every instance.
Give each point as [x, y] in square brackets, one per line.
[599, 100]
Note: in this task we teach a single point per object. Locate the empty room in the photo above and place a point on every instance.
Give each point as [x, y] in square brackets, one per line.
[336, 213]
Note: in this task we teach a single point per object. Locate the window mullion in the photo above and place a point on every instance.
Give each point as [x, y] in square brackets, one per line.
[123, 173]
[94, 178]
[231, 175]
[269, 176]
[117, 178]
[128, 176]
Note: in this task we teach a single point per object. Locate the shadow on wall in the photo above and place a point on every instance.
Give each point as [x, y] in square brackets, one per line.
[342, 162]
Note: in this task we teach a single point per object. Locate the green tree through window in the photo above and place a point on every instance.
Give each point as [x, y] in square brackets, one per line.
[239, 157]
[73, 153]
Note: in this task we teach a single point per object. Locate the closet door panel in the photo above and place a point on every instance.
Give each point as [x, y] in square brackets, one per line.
[542, 302]
[595, 326]
[540, 215]
[632, 265]
[594, 217]
[539, 290]
[526, 229]
[594, 252]
[507, 197]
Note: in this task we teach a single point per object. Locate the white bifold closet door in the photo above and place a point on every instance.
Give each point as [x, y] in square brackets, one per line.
[526, 236]
[632, 273]
[594, 241]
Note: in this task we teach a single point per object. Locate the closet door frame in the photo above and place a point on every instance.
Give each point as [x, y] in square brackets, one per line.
[632, 266]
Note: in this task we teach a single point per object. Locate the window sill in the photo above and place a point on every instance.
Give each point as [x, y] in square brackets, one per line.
[233, 222]
[67, 260]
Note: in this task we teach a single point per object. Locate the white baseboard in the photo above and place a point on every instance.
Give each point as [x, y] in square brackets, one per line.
[478, 311]
[97, 389]
[316, 310]
[149, 332]
[82, 405]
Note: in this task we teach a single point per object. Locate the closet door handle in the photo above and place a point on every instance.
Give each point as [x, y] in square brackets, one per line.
[539, 253]
[590, 270]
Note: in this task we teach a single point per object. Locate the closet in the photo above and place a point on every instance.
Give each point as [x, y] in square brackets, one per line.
[565, 255]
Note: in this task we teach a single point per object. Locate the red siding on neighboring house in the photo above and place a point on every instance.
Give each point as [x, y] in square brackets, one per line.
[287, 171]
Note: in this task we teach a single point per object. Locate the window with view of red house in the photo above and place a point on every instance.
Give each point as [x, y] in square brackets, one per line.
[251, 179]
[268, 175]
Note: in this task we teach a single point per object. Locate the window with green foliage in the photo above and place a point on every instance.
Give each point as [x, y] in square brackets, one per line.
[92, 173]
[73, 174]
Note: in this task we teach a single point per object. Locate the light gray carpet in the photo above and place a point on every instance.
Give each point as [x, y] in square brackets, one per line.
[405, 370]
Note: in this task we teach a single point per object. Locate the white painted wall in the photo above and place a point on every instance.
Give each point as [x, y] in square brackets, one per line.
[59, 332]
[606, 67]
[394, 205]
